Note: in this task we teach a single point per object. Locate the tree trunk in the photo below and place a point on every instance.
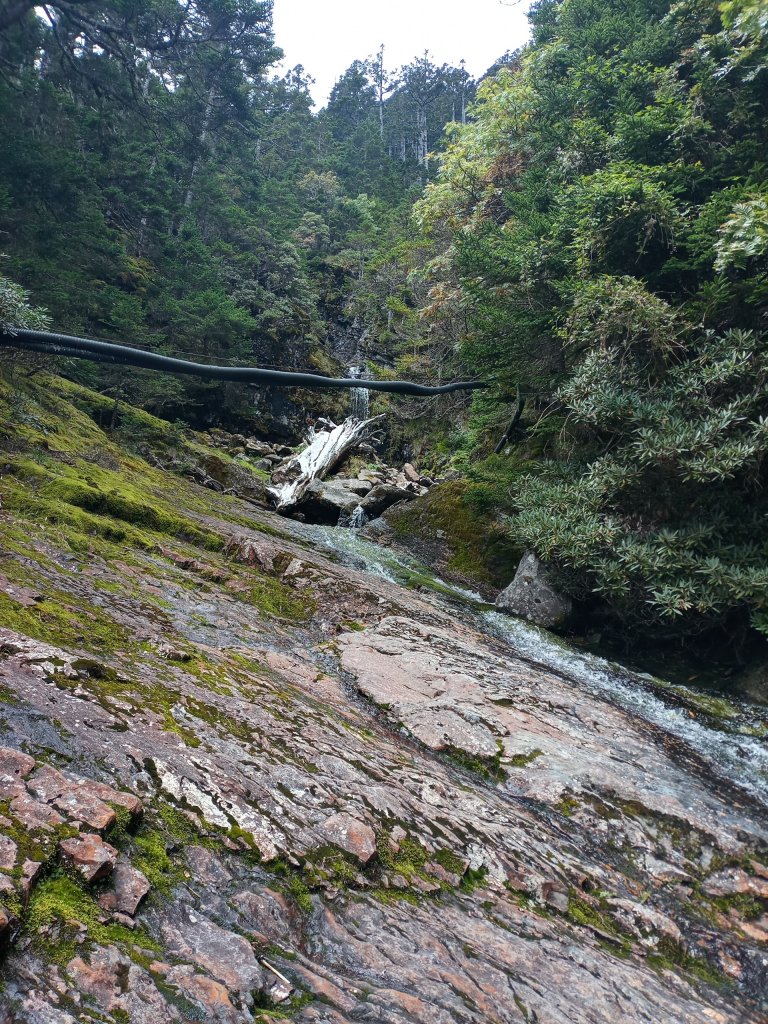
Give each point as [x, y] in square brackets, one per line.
[326, 448]
[201, 142]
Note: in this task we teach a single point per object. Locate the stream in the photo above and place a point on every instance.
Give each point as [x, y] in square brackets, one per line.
[730, 734]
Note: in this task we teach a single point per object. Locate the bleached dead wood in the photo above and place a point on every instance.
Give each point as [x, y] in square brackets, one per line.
[328, 444]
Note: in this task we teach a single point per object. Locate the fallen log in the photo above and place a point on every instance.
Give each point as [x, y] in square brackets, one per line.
[327, 446]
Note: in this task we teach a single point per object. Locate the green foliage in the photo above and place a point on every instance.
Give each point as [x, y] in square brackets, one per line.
[15, 310]
[59, 906]
[603, 220]
[161, 189]
[661, 502]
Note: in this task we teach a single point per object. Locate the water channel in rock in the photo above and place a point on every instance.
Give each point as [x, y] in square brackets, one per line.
[730, 734]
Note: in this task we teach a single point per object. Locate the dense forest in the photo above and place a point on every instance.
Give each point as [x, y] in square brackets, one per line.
[586, 229]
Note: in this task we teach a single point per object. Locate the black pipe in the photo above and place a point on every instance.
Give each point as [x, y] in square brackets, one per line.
[98, 351]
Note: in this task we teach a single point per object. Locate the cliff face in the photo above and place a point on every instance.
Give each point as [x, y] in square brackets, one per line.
[243, 778]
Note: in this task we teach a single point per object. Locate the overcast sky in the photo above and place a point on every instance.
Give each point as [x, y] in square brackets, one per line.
[327, 35]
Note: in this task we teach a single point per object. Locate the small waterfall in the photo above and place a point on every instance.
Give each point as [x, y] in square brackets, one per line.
[355, 519]
[359, 404]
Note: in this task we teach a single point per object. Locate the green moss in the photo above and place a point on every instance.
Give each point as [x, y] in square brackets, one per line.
[297, 889]
[37, 844]
[487, 767]
[134, 508]
[567, 805]
[273, 597]
[450, 861]
[66, 621]
[59, 906]
[668, 956]
[588, 916]
[473, 879]
[392, 897]
[408, 860]
[237, 834]
[749, 907]
[228, 725]
[62, 461]
[150, 855]
[178, 826]
[621, 949]
[329, 865]
[521, 760]
[123, 823]
[479, 550]
[597, 919]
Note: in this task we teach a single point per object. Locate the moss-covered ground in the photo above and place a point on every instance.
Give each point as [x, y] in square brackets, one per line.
[444, 522]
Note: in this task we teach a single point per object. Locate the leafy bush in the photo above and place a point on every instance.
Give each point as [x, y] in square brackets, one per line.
[15, 310]
[669, 518]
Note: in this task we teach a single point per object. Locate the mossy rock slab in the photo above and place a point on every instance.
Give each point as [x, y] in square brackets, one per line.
[443, 530]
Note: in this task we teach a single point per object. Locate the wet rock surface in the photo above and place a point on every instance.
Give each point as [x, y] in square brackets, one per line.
[286, 785]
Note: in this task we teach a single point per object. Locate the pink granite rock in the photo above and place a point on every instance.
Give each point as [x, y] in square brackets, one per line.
[8, 851]
[129, 887]
[14, 766]
[89, 855]
[350, 835]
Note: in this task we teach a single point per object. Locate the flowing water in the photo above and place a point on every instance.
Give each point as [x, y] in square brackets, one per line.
[359, 404]
[730, 734]
[355, 520]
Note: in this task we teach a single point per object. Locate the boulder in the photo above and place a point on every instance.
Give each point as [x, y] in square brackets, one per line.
[326, 500]
[382, 497]
[410, 473]
[351, 835]
[129, 887]
[358, 487]
[531, 596]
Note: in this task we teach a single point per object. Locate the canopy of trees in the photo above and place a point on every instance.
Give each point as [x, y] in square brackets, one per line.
[597, 241]
[590, 232]
[160, 186]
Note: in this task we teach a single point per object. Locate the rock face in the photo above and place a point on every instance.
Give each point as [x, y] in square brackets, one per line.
[90, 856]
[31, 797]
[326, 500]
[350, 835]
[383, 496]
[531, 596]
[309, 790]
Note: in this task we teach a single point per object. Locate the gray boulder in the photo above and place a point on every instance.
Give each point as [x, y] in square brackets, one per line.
[531, 596]
[382, 497]
[356, 486]
[326, 500]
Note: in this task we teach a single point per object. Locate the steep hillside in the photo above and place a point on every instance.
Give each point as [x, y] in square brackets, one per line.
[243, 778]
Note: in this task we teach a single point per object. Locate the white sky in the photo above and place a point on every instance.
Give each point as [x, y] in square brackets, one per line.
[327, 35]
